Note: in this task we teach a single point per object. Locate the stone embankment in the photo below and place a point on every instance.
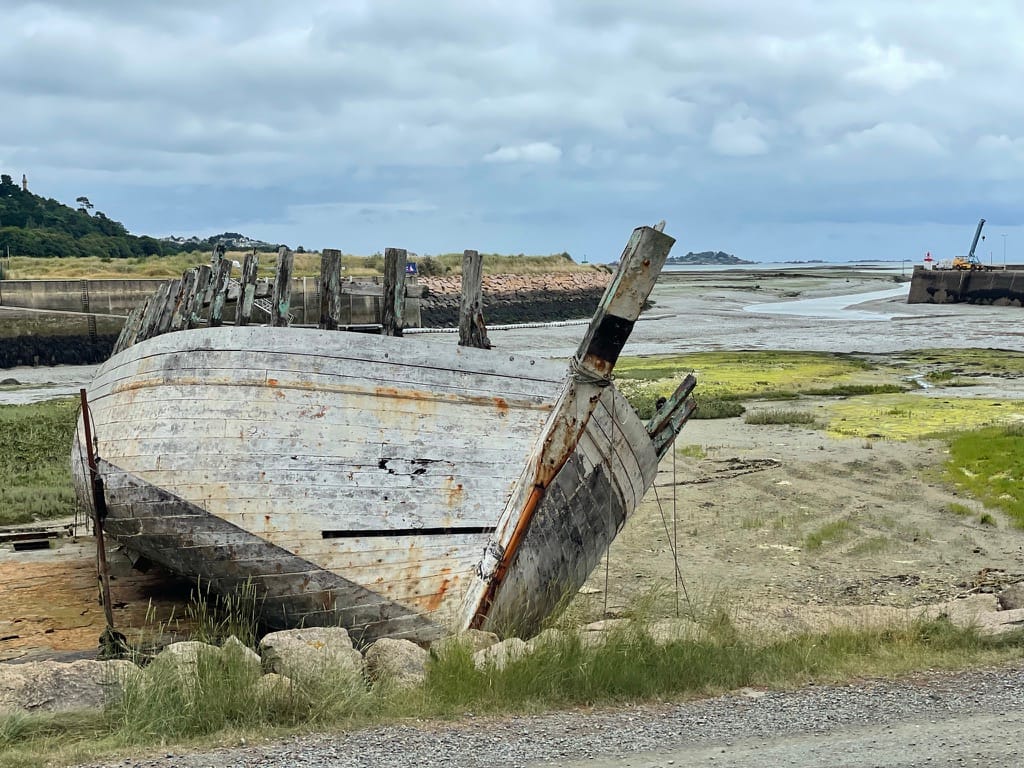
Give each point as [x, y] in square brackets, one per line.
[517, 298]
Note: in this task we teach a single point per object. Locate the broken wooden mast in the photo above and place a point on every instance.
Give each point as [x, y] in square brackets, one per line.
[544, 571]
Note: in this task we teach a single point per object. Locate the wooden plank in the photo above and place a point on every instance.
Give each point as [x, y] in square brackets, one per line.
[130, 329]
[186, 291]
[216, 257]
[156, 305]
[393, 304]
[472, 329]
[671, 416]
[330, 289]
[219, 286]
[247, 289]
[194, 306]
[282, 299]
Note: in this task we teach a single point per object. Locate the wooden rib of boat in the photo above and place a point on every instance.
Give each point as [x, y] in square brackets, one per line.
[391, 487]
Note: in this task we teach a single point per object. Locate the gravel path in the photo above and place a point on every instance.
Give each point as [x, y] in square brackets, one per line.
[972, 718]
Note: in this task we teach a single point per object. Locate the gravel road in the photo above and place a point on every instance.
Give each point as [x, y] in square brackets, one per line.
[935, 720]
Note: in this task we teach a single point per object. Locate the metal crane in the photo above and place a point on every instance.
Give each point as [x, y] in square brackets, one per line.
[971, 261]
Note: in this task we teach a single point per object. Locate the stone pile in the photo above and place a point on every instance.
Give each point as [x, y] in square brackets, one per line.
[517, 298]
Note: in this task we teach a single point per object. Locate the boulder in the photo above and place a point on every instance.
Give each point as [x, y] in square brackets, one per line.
[272, 685]
[51, 686]
[473, 639]
[396, 662]
[312, 652]
[499, 655]
[1012, 597]
[549, 638]
[234, 649]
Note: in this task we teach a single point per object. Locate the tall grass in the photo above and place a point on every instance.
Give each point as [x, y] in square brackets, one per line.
[779, 416]
[35, 453]
[222, 695]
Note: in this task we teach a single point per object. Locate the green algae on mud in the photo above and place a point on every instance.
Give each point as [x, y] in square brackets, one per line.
[989, 465]
[915, 416]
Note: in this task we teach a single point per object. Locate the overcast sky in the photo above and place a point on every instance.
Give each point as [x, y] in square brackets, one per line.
[804, 129]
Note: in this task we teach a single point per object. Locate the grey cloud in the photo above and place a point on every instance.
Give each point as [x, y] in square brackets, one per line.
[508, 112]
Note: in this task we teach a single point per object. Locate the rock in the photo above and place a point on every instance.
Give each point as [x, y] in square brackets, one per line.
[306, 653]
[1012, 597]
[998, 622]
[396, 662]
[51, 686]
[185, 652]
[474, 639]
[273, 685]
[499, 655]
[9, 382]
[234, 648]
[549, 638]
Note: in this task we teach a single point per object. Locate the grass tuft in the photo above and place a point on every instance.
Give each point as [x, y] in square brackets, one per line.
[830, 533]
[779, 416]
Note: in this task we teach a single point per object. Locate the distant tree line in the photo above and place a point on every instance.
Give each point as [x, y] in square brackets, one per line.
[31, 225]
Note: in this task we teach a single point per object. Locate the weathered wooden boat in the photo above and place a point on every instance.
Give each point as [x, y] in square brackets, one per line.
[391, 487]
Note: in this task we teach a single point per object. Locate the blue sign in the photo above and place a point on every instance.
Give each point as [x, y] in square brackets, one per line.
[410, 267]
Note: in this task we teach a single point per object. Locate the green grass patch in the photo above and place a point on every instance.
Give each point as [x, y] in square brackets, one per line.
[989, 465]
[852, 390]
[960, 510]
[692, 451]
[747, 374]
[910, 416]
[778, 416]
[830, 533]
[35, 455]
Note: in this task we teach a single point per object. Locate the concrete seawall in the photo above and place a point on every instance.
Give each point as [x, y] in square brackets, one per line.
[1000, 287]
[55, 322]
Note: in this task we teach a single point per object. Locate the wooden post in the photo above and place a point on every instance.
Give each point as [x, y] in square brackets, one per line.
[219, 288]
[163, 323]
[110, 639]
[181, 302]
[156, 305]
[282, 289]
[194, 307]
[472, 330]
[247, 290]
[393, 301]
[215, 261]
[130, 329]
[330, 289]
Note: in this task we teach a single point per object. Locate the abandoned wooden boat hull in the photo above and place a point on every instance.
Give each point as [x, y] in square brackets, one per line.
[366, 481]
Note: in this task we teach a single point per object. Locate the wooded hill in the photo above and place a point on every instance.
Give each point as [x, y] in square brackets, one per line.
[31, 225]
[708, 257]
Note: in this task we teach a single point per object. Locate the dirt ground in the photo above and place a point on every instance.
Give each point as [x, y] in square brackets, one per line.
[742, 524]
